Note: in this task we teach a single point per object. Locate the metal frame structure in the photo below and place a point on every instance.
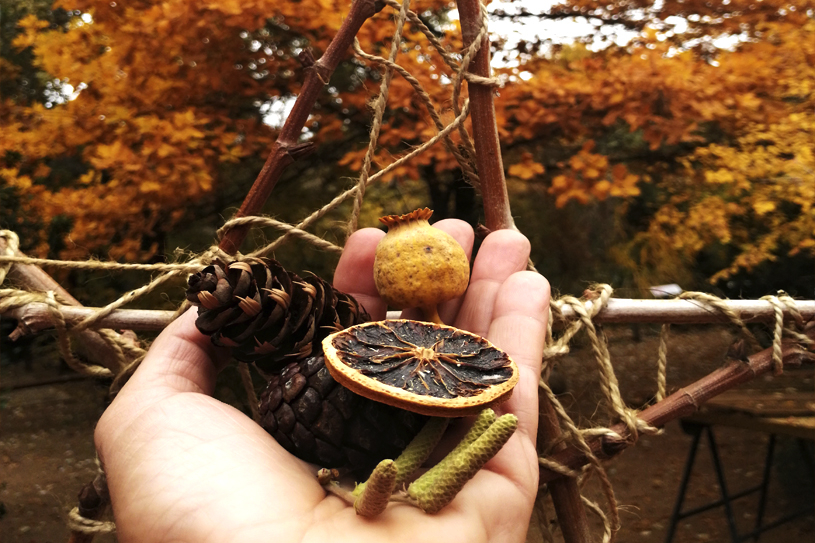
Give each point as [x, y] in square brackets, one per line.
[696, 429]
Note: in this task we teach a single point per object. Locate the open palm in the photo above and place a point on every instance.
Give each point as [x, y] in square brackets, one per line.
[183, 466]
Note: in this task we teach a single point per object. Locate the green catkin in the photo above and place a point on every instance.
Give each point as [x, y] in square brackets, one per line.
[431, 496]
[377, 491]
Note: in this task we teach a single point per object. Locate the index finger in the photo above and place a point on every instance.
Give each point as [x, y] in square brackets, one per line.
[355, 271]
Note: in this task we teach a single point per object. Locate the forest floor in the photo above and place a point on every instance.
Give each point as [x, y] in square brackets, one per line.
[47, 455]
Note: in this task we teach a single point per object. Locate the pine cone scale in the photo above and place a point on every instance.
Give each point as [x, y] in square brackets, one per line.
[293, 386]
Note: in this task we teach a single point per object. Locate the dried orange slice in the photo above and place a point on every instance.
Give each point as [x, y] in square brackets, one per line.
[427, 368]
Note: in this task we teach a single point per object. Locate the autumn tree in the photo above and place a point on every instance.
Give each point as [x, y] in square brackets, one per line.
[702, 123]
[689, 122]
[149, 104]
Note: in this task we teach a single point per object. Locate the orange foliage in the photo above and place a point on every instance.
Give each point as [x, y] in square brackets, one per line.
[172, 92]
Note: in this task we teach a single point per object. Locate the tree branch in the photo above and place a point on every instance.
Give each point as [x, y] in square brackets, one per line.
[497, 215]
[287, 149]
[35, 317]
[33, 278]
[682, 403]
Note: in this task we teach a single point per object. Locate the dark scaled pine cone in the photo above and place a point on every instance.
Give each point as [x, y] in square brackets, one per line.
[275, 319]
[268, 315]
[320, 421]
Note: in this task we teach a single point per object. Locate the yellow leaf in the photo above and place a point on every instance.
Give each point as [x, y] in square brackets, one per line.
[150, 186]
[527, 168]
[762, 207]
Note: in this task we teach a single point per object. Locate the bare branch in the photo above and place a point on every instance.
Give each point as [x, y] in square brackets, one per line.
[287, 149]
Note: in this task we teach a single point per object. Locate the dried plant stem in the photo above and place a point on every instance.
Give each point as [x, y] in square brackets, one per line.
[682, 403]
[497, 214]
[287, 149]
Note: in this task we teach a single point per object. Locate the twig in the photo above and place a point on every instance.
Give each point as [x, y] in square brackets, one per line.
[287, 149]
[497, 215]
[682, 403]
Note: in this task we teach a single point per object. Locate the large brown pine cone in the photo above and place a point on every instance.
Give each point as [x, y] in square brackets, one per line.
[276, 319]
[319, 421]
[266, 314]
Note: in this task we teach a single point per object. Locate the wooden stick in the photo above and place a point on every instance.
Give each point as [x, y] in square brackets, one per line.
[35, 317]
[682, 403]
[676, 311]
[287, 149]
[29, 277]
[497, 215]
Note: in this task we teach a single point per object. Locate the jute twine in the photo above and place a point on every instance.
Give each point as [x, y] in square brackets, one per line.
[379, 111]
[585, 309]
[77, 523]
[380, 103]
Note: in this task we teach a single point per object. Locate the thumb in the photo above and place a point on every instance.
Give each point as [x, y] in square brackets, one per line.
[181, 360]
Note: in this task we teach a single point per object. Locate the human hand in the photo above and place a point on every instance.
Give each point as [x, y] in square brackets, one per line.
[182, 466]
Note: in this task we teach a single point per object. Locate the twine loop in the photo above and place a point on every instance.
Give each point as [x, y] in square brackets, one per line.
[77, 523]
[780, 303]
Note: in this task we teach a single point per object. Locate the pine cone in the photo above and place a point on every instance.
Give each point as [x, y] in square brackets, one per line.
[276, 319]
[268, 315]
[319, 421]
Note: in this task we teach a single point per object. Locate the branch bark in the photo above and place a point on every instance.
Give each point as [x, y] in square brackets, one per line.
[497, 215]
[36, 317]
[29, 277]
[287, 149]
[682, 403]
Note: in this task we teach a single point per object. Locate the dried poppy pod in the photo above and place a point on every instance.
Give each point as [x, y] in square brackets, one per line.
[430, 369]
[419, 266]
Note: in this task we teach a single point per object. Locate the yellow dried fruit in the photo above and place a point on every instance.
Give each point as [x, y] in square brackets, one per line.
[419, 266]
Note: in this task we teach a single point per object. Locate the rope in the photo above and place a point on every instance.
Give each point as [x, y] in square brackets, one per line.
[662, 362]
[317, 241]
[77, 523]
[379, 111]
[466, 164]
[94, 265]
[94, 499]
[717, 304]
[780, 303]
[318, 214]
[585, 309]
